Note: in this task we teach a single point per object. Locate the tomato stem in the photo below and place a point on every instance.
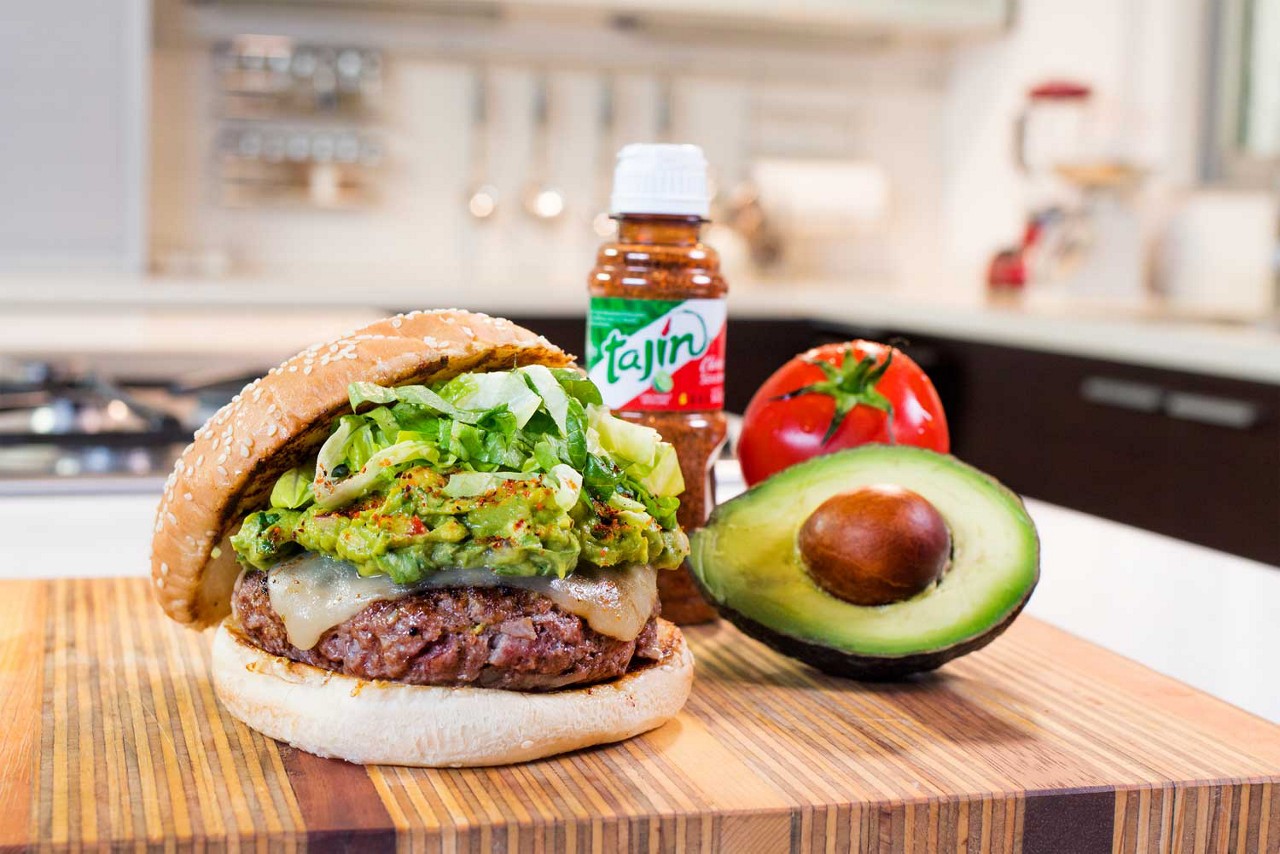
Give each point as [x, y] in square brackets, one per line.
[851, 384]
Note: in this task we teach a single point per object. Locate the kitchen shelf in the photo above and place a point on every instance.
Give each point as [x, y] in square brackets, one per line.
[930, 18]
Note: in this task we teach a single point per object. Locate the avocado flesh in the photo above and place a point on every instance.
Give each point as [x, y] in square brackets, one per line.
[748, 563]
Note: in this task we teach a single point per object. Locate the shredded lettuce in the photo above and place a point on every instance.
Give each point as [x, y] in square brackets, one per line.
[418, 395]
[380, 468]
[293, 489]
[487, 392]
[554, 398]
[568, 486]
[640, 450]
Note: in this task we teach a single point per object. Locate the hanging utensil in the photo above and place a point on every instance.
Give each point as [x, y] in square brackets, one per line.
[482, 198]
[542, 199]
[663, 120]
[601, 221]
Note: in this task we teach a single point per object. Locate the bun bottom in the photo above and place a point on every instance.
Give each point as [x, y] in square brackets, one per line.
[391, 723]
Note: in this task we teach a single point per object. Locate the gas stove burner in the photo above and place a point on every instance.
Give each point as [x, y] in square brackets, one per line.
[55, 422]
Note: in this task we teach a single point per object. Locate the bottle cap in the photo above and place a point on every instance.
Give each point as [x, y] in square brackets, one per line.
[653, 178]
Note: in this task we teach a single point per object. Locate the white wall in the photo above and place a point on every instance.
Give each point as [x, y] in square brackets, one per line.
[860, 101]
[939, 120]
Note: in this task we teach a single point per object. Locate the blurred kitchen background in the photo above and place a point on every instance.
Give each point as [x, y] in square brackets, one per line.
[1068, 208]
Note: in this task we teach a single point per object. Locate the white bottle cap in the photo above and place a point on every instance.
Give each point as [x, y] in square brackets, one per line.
[653, 178]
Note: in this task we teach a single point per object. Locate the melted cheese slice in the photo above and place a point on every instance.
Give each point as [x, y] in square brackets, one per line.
[314, 593]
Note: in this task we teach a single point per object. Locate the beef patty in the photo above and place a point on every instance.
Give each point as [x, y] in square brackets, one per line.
[490, 637]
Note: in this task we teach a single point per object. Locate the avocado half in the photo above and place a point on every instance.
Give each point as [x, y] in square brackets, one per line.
[748, 564]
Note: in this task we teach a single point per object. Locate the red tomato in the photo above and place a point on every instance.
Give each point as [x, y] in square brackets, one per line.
[839, 396]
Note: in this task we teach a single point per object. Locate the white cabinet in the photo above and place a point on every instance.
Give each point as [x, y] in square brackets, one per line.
[73, 134]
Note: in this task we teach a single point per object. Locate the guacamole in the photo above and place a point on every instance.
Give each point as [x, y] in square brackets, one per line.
[522, 472]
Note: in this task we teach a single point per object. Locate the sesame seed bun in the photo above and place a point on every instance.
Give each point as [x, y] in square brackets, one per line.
[280, 420]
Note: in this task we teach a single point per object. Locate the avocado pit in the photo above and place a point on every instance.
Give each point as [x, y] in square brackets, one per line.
[876, 545]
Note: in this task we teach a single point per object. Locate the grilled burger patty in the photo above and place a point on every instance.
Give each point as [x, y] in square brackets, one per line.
[489, 637]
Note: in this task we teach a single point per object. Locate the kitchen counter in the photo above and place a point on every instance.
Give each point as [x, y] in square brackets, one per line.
[269, 319]
[1190, 612]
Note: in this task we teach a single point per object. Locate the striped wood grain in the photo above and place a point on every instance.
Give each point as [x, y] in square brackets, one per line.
[1041, 743]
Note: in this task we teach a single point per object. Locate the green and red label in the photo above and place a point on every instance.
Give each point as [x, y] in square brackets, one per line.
[653, 354]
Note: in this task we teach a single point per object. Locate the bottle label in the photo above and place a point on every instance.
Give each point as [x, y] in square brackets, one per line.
[655, 354]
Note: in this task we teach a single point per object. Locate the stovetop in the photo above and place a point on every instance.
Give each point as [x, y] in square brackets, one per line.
[69, 429]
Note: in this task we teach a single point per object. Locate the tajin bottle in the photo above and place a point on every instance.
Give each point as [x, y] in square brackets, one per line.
[656, 329]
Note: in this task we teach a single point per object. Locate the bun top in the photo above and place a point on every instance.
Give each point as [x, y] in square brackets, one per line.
[279, 420]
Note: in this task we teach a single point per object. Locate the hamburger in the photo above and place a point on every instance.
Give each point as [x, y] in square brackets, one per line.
[428, 543]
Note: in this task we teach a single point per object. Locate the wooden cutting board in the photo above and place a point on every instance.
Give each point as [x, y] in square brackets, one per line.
[1041, 743]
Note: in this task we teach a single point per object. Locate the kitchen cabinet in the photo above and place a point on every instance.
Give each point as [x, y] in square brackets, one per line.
[73, 138]
[1192, 457]
[1189, 455]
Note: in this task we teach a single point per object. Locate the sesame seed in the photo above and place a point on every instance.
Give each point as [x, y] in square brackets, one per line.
[188, 496]
[200, 460]
[164, 568]
[244, 450]
[293, 369]
[173, 520]
[159, 583]
[222, 470]
[271, 430]
[397, 322]
[307, 369]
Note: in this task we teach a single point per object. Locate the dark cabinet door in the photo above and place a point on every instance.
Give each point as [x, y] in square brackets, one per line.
[1192, 456]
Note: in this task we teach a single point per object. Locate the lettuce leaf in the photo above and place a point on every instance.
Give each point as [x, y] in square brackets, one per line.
[293, 489]
[486, 392]
[554, 399]
[640, 451]
[468, 484]
[418, 395]
[577, 386]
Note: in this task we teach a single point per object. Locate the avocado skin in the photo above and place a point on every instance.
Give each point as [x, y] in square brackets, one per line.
[865, 668]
